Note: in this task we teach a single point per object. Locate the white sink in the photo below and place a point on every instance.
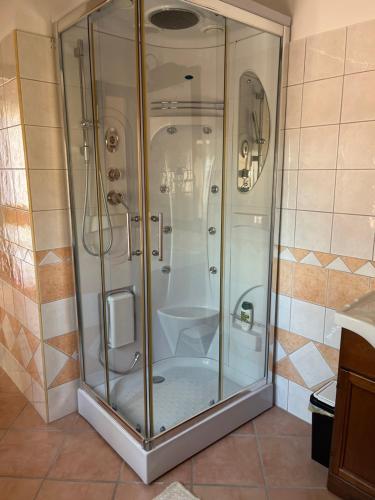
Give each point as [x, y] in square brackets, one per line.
[359, 317]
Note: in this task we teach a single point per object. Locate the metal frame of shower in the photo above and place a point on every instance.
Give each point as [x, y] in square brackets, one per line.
[257, 17]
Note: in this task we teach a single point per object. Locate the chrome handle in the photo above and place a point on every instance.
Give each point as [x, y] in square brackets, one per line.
[129, 235]
[160, 236]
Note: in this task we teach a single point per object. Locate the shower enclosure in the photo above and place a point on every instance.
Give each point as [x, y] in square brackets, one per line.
[172, 119]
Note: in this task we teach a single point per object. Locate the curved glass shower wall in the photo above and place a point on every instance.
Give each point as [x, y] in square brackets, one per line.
[171, 120]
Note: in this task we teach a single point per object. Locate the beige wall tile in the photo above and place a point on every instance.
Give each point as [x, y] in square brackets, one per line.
[316, 190]
[293, 107]
[8, 57]
[358, 102]
[360, 50]
[353, 235]
[288, 224]
[313, 230]
[289, 193]
[16, 148]
[3, 117]
[318, 149]
[5, 159]
[36, 57]
[355, 192]
[52, 229]
[344, 288]
[285, 277]
[325, 54]
[321, 102]
[310, 283]
[48, 189]
[296, 61]
[291, 149]
[12, 107]
[356, 146]
[40, 103]
[21, 191]
[24, 229]
[45, 149]
[289, 341]
[56, 282]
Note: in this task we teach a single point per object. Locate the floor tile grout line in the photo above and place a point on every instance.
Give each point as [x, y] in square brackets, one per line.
[259, 450]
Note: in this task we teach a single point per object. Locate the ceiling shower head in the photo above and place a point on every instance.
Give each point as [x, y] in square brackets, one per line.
[174, 19]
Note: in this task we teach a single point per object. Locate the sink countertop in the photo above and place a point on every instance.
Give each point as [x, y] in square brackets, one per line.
[359, 317]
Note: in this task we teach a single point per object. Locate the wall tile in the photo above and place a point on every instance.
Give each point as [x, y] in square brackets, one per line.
[32, 317]
[344, 288]
[40, 103]
[360, 50]
[307, 320]
[281, 392]
[316, 190]
[52, 229]
[325, 55]
[45, 148]
[8, 57]
[318, 148]
[288, 223]
[285, 277]
[321, 102]
[353, 235]
[311, 365]
[62, 400]
[17, 157]
[296, 61]
[310, 283]
[356, 146]
[12, 107]
[332, 332]
[283, 312]
[298, 401]
[289, 192]
[293, 110]
[36, 57]
[53, 198]
[56, 282]
[358, 98]
[59, 317]
[355, 192]
[5, 158]
[291, 149]
[313, 230]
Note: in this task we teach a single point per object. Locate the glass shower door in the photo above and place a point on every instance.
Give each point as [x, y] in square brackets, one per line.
[184, 52]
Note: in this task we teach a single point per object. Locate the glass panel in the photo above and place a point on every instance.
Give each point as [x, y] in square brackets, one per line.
[184, 51]
[252, 86]
[84, 203]
[114, 51]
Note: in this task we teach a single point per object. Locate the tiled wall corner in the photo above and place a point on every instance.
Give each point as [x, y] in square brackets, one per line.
[39, 354]
[328, 218]
[20, 331]
[49, 207]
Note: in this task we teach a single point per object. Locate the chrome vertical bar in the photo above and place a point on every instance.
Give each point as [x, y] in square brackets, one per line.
[129, 235]
[160, 236]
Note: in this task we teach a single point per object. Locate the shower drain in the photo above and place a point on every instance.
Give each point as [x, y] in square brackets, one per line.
[157, 379]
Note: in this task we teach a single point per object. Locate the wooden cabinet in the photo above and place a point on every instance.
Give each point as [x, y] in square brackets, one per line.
[352, 464]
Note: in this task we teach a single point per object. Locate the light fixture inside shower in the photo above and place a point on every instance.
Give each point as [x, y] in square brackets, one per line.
[174, 19]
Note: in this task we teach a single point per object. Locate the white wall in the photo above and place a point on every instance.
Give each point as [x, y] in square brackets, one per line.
[316, 16]
[32, 15]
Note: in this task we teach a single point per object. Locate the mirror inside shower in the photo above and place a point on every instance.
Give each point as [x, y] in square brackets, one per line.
[253, 130]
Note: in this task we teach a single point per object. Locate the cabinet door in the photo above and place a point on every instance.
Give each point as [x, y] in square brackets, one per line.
[353, 448]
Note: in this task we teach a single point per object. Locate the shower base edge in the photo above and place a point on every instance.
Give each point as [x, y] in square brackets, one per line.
[149, 465]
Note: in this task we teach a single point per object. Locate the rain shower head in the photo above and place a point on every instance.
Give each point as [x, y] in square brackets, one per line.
[174, 19]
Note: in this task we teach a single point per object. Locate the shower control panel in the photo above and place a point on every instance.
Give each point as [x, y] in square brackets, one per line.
[111, 140]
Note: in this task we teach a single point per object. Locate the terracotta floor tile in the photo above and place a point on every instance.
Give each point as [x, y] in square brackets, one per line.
[182, 473]
[127, 491]
[64, 490]
[28, 453]
[86, 456]
[2, 433]
[11, 405]
[287, 462]
[247, 428]
[29, 418]
[228, 493]
[127, 475]
[232, 460]
[300, 494]
[75, 423]
[277, 422]
[18, 489]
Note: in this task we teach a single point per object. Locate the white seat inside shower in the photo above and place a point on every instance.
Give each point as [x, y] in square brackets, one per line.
[189, 329]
